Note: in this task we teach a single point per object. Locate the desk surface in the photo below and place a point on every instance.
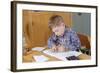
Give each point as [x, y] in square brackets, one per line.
[29, 56]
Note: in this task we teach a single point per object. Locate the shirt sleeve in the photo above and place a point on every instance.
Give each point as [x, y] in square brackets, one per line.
[74, 42]
[50, 42]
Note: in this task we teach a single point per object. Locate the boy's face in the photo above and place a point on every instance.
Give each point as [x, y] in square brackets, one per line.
[59, 29]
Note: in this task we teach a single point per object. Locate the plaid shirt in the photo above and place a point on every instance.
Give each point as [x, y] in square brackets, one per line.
[69, 40]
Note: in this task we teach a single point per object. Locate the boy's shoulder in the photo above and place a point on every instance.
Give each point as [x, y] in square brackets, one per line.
[69, 30]
[53, 36]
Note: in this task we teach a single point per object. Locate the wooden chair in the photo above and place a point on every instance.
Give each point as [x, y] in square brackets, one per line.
[85, 44]
[84, 39]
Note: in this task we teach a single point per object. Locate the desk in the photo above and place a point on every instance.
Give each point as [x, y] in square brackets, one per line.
[29, 57]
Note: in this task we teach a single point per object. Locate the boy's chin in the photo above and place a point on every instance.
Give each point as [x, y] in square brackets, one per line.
[59, 34]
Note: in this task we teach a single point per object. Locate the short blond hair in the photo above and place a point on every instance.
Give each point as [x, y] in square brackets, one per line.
[55, 20]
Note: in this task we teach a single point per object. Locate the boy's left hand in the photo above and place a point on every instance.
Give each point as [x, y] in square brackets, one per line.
[60, 48]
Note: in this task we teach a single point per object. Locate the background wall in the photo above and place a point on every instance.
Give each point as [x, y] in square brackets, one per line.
[81, 23]
[5, 37]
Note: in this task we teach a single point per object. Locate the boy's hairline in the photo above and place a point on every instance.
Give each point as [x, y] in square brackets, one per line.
[54, 25]
[52, 18]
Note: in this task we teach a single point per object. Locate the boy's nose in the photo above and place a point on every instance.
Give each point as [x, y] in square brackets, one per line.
[56, 30]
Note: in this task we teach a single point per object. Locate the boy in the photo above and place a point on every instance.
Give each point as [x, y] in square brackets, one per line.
[63, 38]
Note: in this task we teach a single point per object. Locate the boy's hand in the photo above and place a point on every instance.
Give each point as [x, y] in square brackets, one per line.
[54, 48]
[60, 48]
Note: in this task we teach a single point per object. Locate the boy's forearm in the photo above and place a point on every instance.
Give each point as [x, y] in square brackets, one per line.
[50, 43]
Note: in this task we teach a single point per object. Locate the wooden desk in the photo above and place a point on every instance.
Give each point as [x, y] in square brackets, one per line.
[29, 57]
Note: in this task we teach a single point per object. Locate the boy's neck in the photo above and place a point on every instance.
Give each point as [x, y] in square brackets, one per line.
[61, 35]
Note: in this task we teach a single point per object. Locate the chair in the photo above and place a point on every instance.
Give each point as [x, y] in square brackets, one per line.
[84, 39]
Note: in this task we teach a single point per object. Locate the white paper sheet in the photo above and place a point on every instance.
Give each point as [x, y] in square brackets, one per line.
[61, 55]
[40, 58]
[38, 48]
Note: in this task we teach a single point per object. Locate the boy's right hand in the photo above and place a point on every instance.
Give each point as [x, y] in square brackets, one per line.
[54, 48]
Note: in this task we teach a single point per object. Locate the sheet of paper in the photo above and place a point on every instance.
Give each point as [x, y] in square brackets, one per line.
[62, 55]
[38, 48]
[40, 58]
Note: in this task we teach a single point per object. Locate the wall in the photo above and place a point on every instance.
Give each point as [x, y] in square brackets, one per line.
[81, 23]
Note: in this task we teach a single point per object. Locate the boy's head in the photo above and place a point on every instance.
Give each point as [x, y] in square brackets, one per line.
[56, 23]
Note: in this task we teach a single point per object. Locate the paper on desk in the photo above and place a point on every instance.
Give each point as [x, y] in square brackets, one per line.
[40, 58]
[38, 48]
[62, 55]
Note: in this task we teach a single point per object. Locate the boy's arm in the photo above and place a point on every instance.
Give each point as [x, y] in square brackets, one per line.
[74, 42]
[50, 43]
